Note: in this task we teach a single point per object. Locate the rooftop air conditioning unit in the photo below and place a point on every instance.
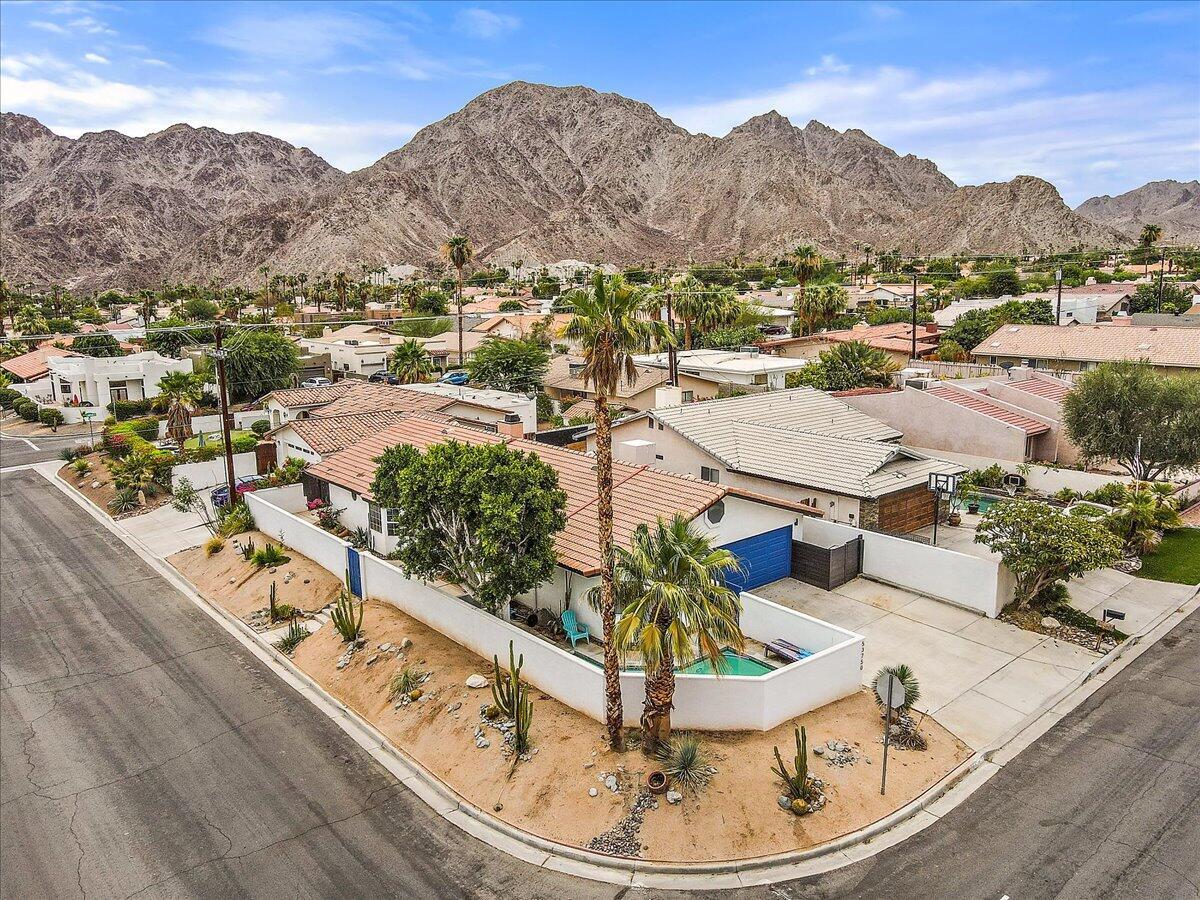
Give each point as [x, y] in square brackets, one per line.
[920, 384]
[351, 343]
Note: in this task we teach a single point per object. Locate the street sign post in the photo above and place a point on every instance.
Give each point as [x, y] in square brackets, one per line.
[87, 417]
[890, 691]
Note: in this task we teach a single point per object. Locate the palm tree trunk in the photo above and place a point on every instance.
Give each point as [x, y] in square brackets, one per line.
[805, 324]
[613, 713]
[660, 696]
[459, 304]
[687, 333]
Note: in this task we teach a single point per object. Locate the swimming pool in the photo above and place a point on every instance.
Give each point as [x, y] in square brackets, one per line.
[736, 664]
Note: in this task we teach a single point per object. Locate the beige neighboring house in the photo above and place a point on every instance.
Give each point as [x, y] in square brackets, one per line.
[443, 348]
[894, 339]
[704, 374]
[1018, 418]
[355, 349]
[799, 446]
[514, 326]
[564, 383]
[1079, 348]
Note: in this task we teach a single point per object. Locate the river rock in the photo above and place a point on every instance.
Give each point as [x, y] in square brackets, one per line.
[1050, 622]
[476, 681]
[784, 801]
[674, 797]
[592, 792]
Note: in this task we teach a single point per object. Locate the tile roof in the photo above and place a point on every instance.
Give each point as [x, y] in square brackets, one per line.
[329, 434]
[294, 398]
[640, 494]
[895, 336]
[972, 401]
[856, 468]
[864, 391]
[1050, 388]
[1094, 343]
[32, 365]
[559, 376]
[368, 396]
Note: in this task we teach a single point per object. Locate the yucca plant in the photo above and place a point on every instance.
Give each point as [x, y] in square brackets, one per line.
[796, 784]
[291, 640]
[906, 676]
[269, 556]
[81, 467]
[347, 616]
[125, 500]
[406, 681]
[685, 762]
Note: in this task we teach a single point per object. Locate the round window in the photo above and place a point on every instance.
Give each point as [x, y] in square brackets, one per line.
[716, 512]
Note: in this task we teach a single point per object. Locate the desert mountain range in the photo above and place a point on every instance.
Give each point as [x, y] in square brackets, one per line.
[527, 171]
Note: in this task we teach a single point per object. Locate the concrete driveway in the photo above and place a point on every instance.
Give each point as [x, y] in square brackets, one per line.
[979, 677]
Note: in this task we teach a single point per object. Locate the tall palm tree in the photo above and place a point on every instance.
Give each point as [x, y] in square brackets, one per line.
[458, 252]
[867, 249]
[807, 264]
[819, 305]
[518, 264]
[265, 272]
[608, 328]
[675, 606]
[1151, 234]
[410, 363]
[180, 392]
[341, 282]
[688, 305]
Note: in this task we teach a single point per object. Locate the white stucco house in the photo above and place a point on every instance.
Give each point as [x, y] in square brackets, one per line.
[703, 372]
[78, 380]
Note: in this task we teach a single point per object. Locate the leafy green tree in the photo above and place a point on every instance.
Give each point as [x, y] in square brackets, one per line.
[952, 351]
[1001, 283]
[478, 515]
[730, 338]
[1174, 298]
[846, 366]
[505, 364]
[675, 608]
[198, 309]
[970, 329]
[97, 345]
[892, 314]
[430, 303]
[1042, 545]
[162, 339]
[410, 363]
[1147, 423]
[259, 361]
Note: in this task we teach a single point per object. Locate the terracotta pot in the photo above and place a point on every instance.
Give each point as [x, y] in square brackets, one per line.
[656, 782]
[973, 508]
[954, 519]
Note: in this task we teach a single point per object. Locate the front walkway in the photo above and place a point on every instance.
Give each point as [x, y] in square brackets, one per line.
[979, 677]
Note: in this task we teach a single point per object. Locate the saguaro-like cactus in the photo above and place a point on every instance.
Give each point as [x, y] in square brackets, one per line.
[274, 614]
[347, 616]
[506, 686]
[797, 783]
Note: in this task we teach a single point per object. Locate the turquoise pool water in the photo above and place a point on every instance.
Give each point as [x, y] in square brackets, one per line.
[736, 665]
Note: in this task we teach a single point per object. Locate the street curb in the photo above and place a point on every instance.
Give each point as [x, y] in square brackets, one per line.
[506, 838]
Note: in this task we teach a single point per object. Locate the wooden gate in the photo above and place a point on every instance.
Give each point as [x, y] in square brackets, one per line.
[827, 567]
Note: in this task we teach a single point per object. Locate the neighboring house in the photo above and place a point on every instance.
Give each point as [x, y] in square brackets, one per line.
[443, 348]
[758, 532]
[355, 349]
[709, 373]
[884, 296]
[1084, 305]
[314, 438]
[489, 408]
[894, 339]
[1077, 348]
[77, 380]
[32, 366]
[799, 445]
[564, 383]
[1018, 419]
[1189, 319]
[515, 325]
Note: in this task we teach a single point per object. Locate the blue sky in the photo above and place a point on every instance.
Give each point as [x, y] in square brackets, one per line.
[1095, 97]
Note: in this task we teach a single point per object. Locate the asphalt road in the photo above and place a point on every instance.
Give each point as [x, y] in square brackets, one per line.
[20, 450]
[142, 751]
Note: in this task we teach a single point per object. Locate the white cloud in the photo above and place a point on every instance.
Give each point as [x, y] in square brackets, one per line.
[48, 26]
[301, 36]
[88, 25]
[151, 61]
[95, 58]
[830, 65]
[484, 23]
[883, 12]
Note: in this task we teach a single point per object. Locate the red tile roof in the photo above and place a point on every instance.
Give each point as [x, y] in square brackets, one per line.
[32, 365]
[640, 494]
[329, 434]
[984, 407]
[318, 396]
[894, 336]
[1044, 387]
[366, 396]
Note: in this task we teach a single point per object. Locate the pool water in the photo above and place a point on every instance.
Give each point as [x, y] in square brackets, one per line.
[736, 665]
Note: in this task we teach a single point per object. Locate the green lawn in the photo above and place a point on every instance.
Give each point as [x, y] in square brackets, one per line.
[213, 439]
[1176, 559]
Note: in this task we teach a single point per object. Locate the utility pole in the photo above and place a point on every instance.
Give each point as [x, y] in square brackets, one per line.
[219, 355]
[672, 360]
[1162, 254]
[914, 319]
[1058, 305]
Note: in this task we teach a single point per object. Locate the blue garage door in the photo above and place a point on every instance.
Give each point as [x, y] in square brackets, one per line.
[765, 558]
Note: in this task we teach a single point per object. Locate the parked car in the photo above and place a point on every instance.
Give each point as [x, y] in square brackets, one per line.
[315, 382]
[455, 377]
[243, 485]
[384, 377]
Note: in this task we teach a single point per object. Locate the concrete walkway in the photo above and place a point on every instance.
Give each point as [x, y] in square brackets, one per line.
[979, 677]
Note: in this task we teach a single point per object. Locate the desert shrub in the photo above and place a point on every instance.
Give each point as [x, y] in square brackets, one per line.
[127, 409]
[329, 517]
[51, 416]
[214, 545]
[260, 426]
[288, 472]
[27, 410]
[234, 519]
[143, 469]
[125, 500]
[289, 642]
[361, 539]
[8, 397]
[685, 762]
[81, 467]
[906, 676]
[269, 556]
[116, 446]
[243, 443]
[406, 681]
[70, 454]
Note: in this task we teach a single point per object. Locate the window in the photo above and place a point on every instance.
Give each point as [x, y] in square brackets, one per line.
[688, 396]
[709, 474]
[660, 426]
[374, 519]
[376, 515]
[715, 513]
[658, 456]
[760, 379]
[649, 423]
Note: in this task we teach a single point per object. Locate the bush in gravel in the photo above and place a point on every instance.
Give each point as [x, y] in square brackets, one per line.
[234, 519]
[52, 417]
[269, 556]
[214, 545]
[289, 642]
[908, 678]
[81, 467]
[406, 681]
[685, 762]
[70, 454]
[125, 500]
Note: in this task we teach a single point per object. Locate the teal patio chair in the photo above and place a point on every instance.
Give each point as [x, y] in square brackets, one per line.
[574, 630]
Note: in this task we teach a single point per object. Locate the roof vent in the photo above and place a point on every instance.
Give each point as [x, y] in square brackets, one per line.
[1013, 329]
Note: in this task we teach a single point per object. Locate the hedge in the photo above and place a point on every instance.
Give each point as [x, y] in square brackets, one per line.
[8, 397]
[51, 416]
[260, 426]
[27, 410]
[145, 427]
[127, 409]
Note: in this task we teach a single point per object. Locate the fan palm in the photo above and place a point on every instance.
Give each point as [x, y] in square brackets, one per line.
[688, 305]
[1150, 236]
[819, 305]
[607, 327]
[410, 363]
[458, 252]
[181, 393]
[675, 606]
[807, 264]
[855, 364]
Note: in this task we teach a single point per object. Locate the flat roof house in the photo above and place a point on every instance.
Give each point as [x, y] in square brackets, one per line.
[355, 349]
[708, 373]
[101, 380]
[1078, 348]
[894, 339]
[798, 445]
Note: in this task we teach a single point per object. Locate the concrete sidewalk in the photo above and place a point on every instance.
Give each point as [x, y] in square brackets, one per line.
[979, 677]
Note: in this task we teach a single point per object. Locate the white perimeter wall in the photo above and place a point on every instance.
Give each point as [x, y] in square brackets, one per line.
[212, 472]
[701, 701]
[1040, 477]
[970, 581]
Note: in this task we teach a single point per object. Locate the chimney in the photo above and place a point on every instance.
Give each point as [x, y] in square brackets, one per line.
[638, 452]
[326, 331]
[511, 426]
[931, 328]
[668, 395]
[1122, 319]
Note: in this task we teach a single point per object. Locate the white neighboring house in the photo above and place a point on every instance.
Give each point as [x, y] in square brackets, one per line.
[355, 349]
[703, 372]
[75, 380]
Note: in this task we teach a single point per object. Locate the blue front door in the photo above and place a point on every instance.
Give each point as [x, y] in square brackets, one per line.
[764, 558]
[354, 567]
